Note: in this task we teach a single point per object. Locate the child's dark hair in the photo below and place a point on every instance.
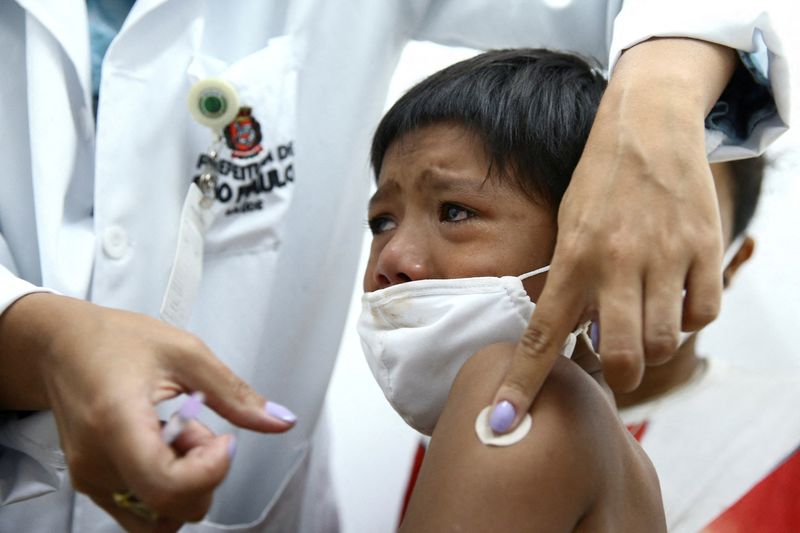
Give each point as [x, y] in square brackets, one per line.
[532, 108]
[747, 175]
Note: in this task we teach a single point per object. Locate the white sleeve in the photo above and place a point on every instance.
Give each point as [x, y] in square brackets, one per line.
[31, 461]
[13, 288]
[754, 110]
[579, 26]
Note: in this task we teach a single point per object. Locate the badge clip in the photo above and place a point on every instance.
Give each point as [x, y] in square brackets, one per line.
[214, 103]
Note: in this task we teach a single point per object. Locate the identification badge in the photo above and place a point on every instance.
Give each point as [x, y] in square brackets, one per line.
[213, 103]
[187, 266]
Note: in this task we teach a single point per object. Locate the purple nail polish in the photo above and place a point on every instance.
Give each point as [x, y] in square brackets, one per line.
[231, 448]
[280, 412]
[502, 416]
[594, 334]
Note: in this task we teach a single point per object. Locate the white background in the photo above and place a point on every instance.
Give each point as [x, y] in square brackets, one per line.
[373, 448]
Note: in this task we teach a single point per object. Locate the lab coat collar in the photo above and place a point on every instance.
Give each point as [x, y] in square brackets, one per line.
[61, 130]
[68, 22]
[139, 10]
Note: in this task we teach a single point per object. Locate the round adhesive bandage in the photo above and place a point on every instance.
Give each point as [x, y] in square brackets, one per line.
[487, 436]
[213, 102]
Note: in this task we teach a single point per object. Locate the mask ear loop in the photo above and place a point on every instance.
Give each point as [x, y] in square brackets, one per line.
[580, 331]
[523, 277]
[732, 250]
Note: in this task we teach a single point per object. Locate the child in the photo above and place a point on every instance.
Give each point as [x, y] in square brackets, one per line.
[724, 440]
[471, 165]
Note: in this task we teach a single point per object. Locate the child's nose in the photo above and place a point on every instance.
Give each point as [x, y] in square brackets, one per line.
[403, 259]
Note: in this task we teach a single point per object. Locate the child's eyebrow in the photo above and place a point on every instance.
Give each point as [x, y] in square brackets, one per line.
[449, 181]
[434, 180]
[384, 190]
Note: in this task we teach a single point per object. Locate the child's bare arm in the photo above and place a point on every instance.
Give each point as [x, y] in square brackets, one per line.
[546, 482]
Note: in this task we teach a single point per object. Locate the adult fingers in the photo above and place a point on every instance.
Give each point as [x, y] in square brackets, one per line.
[556, 313]
[179, 487]
[195, 435]
[229, 395]
[198, 472]
[621, 350]
[192, 435]
[703, 290]
[133, 523]
[663, 305]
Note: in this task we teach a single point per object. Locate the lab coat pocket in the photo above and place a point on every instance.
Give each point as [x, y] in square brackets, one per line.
[254, 163]
[280, 515]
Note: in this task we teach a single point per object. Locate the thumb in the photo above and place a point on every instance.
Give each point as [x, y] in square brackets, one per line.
[533, 358]
[231, 397]
[198, 473]
[182, 488]
[174, 486]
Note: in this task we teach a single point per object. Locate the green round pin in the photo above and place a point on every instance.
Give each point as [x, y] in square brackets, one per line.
[213, 102]
[212, 105]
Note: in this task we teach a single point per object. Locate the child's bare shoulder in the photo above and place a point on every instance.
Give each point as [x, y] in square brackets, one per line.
[576, 463]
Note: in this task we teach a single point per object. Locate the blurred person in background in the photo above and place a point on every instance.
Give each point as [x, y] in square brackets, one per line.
[724, 439]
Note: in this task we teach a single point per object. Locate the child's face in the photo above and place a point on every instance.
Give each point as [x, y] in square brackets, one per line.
[435, 215]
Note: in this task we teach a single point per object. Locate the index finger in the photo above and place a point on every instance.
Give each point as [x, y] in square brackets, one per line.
[227, 394]
[556, 312]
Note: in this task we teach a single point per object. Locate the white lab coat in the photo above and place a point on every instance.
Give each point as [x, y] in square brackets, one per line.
[92, 210]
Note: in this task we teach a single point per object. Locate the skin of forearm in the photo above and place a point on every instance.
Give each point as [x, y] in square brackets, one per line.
[652, 113]
[27, 328]
[662, 71]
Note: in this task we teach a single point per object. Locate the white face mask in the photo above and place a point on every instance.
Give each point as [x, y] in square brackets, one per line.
[417, 335]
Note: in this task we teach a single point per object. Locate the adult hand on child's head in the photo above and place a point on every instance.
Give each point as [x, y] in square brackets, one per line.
[102, 372]
[638, 224]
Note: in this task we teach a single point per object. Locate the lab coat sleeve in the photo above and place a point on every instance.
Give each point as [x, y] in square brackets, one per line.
[13, 288]
[579, 26]
[31, 461]
[753, 111]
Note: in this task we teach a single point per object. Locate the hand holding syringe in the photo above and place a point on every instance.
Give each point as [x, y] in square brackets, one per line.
[188, 412]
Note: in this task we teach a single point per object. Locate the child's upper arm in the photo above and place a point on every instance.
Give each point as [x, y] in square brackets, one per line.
[546, 482]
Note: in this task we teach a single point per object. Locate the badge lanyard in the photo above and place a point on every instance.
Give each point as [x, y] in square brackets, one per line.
[213, 103]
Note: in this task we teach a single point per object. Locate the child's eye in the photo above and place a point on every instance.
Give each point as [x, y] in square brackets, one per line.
[455, 213]
[380, 224]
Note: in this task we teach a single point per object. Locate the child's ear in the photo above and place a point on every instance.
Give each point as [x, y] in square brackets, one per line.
[742, 255]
